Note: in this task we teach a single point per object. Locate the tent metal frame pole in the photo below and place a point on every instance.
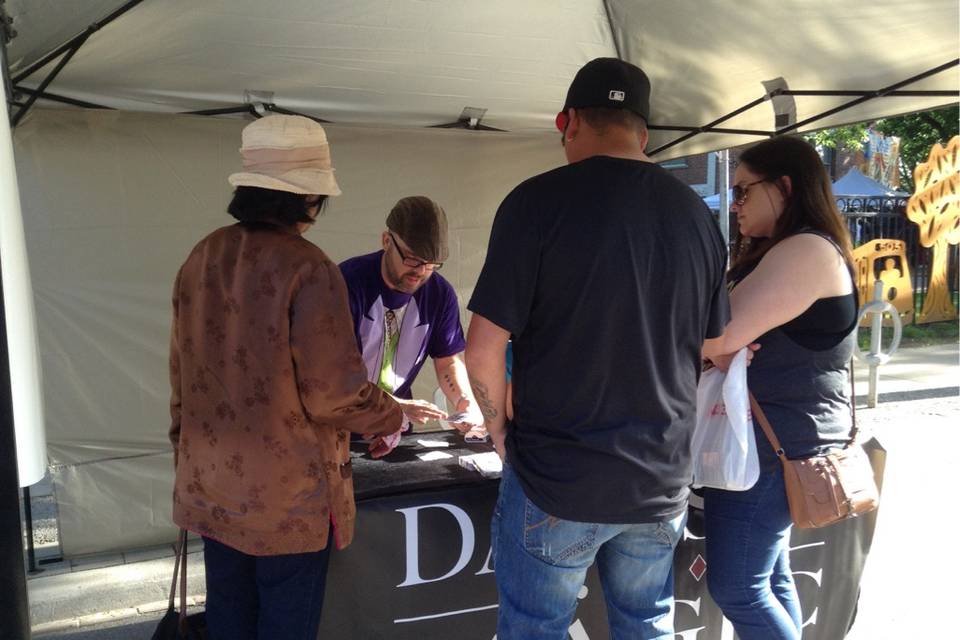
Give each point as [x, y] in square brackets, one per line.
[252, 110]
[889, 94]
[287, 112]
[876, 94]
[709, 127]
[744, 132]
[15, 120]
[72, 42]
[14, 603]
[217, 112]
[7, 33]
[54, 97]
[889, 91]
[31, 545]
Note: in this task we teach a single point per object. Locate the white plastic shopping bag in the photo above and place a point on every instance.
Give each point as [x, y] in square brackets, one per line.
[724, 450]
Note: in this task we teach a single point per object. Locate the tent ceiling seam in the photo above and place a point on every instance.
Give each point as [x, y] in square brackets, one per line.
[613, 32]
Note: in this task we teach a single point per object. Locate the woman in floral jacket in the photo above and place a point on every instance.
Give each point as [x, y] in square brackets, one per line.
[266, 384]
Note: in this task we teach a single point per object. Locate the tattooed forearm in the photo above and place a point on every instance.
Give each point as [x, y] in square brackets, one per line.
[487, 408]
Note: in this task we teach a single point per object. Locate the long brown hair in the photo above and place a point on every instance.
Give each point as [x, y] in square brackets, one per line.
[810, 204]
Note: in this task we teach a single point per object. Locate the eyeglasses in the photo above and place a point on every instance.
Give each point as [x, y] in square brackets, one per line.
[740, 192]
[411, 262]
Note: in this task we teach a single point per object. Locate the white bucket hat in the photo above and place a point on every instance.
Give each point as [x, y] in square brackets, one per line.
[286, 153]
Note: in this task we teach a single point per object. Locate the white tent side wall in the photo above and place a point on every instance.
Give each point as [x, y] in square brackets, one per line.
[112, 204]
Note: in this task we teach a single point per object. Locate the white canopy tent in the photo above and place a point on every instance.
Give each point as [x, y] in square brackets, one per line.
[420, 62]
[854, 183]
[113, 200]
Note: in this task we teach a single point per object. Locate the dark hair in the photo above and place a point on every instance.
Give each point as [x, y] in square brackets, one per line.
[255, 204]
[600, 118]
[810, 205]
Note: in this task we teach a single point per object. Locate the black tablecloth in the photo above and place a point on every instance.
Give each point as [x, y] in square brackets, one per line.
[402, 471]
[420, 566]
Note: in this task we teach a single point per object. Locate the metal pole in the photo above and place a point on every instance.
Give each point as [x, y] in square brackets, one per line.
[876, 331]
[724, 184]
[70, 44]
[14, 610]
[31, 547]
[876, 357]
[14, 607]
[22, 111]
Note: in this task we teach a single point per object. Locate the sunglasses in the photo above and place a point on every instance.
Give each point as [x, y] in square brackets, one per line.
[562, 121]
[740, 191]
[412, 262]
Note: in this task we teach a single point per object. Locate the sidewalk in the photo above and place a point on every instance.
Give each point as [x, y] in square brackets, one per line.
[915, 421]
[913, 374]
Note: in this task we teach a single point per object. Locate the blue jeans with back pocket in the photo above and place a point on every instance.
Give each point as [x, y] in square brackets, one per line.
[541, 562]
[748, 559]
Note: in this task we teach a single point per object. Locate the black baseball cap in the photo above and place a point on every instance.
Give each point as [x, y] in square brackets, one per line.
[611, 83]
[422, 224]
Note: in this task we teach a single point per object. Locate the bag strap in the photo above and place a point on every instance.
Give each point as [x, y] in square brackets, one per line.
[180, 571]
[855, 429]
[176, 572]
[772, 437]
[182, 561]
[765, 425]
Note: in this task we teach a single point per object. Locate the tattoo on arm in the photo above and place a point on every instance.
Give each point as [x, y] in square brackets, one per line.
[482, 394]
[449, 380]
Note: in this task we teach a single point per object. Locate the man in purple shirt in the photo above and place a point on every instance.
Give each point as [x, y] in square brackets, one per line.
[403, 311]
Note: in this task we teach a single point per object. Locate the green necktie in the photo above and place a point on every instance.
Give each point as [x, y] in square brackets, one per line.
[391, 337]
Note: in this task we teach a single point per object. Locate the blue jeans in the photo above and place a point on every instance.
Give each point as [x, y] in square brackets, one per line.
[748, 559]
[263, 597]
[541, 562]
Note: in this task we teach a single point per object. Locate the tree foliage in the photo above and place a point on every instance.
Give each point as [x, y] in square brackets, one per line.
[918, 132]
[851, 137]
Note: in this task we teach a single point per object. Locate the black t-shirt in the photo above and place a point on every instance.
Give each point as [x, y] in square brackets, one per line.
[609, 273]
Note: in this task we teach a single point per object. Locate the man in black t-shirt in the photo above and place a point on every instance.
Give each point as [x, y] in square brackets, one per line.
[609, 274]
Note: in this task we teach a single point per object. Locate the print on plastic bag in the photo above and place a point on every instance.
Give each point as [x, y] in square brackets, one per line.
[724, 450]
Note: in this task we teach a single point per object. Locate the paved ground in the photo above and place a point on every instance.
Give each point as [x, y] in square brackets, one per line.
[137, 628]
[908, 588]
[916, 421]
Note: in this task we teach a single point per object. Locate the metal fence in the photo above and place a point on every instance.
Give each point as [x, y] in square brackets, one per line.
[869, 218]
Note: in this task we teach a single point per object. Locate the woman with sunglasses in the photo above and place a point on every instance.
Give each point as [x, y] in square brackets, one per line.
[792, 291]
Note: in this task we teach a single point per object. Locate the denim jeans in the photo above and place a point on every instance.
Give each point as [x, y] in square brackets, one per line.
[748, 559]
[541, 562]
[263, 597]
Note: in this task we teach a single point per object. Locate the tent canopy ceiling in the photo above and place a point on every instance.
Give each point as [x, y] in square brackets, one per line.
[421, 62]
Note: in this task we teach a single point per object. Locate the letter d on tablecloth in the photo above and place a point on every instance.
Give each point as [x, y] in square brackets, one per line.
[412, 531]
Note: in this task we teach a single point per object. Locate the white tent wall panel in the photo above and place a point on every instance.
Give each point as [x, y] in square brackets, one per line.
[113, 203]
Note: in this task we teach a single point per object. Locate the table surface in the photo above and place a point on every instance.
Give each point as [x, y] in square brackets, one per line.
[402, 470]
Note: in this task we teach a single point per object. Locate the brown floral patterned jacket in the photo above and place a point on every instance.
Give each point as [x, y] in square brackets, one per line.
[266, 382]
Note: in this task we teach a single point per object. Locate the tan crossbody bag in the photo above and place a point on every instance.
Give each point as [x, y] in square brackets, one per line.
[824, 489]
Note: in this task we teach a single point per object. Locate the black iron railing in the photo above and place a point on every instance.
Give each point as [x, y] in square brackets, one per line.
[871, 217]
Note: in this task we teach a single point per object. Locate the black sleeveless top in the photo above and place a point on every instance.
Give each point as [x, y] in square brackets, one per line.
[799, 376]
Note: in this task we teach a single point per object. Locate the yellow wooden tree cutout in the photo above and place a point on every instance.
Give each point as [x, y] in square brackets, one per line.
[935, 209]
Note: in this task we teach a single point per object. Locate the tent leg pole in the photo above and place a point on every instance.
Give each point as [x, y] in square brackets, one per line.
[31, 549]
[14, 608]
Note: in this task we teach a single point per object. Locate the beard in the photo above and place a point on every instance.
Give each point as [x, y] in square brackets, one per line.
[406, 281]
